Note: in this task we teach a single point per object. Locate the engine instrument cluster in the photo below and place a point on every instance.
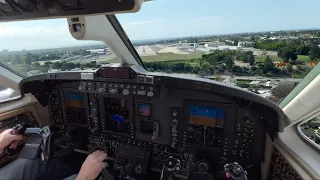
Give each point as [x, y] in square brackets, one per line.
[141, 120]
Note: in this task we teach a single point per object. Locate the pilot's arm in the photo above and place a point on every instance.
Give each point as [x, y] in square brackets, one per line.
[8, 139]
[92, 166]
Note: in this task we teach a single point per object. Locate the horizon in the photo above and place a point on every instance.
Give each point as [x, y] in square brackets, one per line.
[92, 43]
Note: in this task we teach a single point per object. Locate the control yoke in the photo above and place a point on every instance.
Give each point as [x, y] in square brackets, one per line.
[235, 171]
[171, 166]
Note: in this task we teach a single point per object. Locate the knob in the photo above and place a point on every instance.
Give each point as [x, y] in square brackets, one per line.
[155, 135]
[82, 88]
[150, 94]
[138, 169]
[113, 91]
[125, 92]
[102, 89]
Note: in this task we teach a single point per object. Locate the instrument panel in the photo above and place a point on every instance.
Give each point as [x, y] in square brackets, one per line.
[144, 119]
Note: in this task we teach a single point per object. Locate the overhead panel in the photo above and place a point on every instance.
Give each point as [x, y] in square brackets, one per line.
[15, 10]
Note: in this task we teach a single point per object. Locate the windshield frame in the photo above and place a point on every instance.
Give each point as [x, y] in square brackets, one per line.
[125, 39]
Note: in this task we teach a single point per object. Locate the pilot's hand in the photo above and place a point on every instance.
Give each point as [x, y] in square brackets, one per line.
[92, 166]
[6, 138]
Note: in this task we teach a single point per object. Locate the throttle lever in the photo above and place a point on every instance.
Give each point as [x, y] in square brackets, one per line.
[170, 167]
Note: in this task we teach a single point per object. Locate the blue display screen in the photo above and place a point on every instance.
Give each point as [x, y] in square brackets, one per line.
[207, 116]
[117, 118]
[74, 99]
[144, 110]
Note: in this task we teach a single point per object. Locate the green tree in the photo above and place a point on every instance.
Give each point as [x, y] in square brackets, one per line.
[36, 66]
[303, 50]
[288, 53]
[27, 59]
[16, 59]
[68, 66]
[57, 65]
[314, 52]
[44, 69]
[78, 65]
[268, 65]
[35, 58]
[229, 62]
[93, 64]
[251, 59]
[29, 56]
[196, 69]
[48, 63]
[235, 43]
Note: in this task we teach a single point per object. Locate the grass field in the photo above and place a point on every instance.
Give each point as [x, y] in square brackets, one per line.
[161, 57]
[304, 58]
[239, 82]
[262, 58]
[170, 56]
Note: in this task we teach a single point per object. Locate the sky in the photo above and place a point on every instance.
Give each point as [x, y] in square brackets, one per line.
[175, 18]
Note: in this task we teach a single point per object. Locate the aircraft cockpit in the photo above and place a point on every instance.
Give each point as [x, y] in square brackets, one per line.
[152, 125]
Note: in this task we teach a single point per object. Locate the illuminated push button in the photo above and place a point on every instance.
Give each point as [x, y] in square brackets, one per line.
[141, 92]
[82, 88]
[125, 92]
[113, 91]
[150, 94]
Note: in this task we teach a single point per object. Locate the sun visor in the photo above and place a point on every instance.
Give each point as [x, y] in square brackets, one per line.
[17, 10]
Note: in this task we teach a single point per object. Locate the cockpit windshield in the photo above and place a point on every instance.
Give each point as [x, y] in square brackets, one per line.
[42, 46]
[256, 46]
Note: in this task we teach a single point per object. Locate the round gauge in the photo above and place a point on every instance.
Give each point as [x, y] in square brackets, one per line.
[25, 5]
[72, 4]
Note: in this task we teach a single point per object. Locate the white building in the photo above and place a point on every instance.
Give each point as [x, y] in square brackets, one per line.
[245, 44]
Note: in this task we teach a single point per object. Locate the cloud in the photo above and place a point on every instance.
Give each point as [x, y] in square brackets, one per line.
[204, 18]
[135, 23]
[17, 36]
[8, 31]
